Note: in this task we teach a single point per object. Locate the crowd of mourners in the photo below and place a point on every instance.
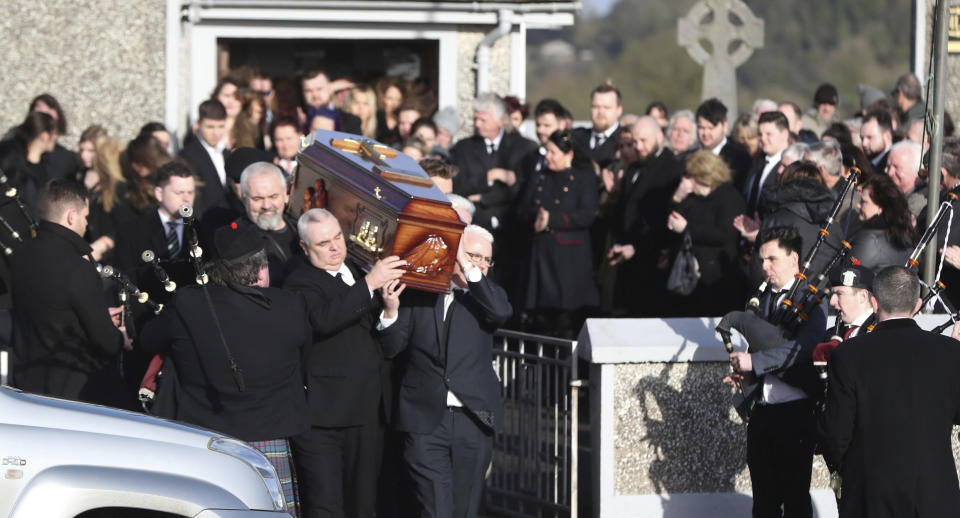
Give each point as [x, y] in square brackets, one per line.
[597, 220]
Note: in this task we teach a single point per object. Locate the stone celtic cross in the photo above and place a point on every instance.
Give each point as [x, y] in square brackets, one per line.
[733, 32]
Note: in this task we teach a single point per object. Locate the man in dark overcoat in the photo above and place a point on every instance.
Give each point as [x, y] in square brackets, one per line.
[65, 343]
[236, 347]
[892, 402]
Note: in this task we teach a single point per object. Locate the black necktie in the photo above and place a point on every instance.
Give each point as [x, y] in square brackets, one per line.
[490, 147]
[173, 242]
[774, 296]
[598, 139]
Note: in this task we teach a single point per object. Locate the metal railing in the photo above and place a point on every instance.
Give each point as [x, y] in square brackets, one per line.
[534, 472]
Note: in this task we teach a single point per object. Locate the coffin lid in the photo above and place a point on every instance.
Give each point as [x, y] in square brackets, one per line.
[400, 173]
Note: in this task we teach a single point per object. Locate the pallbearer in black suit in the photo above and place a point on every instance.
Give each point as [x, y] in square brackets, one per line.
[449, 402]
[236, 346]
[206, 155]
[606, 107]
[893, 400]
[264, 196]
[338, 458]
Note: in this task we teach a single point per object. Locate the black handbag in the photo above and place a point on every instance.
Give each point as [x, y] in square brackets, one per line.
[685, 272]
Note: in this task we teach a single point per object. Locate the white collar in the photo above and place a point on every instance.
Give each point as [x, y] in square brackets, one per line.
[212, 149]
[495, 141]
[862, 318]
[606, 134]
[164, 220]
[716, 150]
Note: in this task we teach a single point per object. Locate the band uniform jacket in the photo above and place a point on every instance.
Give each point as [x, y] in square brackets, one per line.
[347, 376]
[65, 344]
[212, 193]
[560, 271]
[602, 155]
[792, 360]
[265, 330]
[461, 364]
[892, 401]
[472, 159]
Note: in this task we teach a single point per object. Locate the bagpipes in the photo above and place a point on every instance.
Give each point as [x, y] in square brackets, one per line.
[783, 323]
[791, 314]
[936, 291]
[193, 243]
[11, 193]
[128, 291]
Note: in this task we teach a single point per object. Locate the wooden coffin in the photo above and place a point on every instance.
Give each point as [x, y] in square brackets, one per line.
[386, 205]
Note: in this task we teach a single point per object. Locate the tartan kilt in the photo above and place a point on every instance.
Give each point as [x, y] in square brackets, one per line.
[278, 452]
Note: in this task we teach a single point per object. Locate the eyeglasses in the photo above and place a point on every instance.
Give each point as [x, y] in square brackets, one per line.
[479, 259]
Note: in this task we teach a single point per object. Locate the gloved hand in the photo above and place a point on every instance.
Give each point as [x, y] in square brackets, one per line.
[823, 351]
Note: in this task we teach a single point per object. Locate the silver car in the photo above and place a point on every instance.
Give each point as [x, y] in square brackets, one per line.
[63, 459]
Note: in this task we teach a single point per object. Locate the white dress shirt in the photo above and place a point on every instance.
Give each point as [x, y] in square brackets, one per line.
[216, 154]
[774, 389]
[606, 135]
[164, 220]
[474, 275]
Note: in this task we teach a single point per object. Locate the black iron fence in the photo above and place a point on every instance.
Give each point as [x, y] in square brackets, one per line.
[534, 472]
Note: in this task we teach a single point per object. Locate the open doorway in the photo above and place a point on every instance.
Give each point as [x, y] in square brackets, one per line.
[358, 60]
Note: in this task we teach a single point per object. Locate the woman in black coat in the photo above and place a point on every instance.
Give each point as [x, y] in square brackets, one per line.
[704, 206]
[24, 159]
[886, 235]
[557, 206]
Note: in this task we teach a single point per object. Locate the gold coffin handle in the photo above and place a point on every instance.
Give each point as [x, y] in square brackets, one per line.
[367, 237]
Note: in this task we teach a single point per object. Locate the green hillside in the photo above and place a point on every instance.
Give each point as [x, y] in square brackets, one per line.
[806, 42]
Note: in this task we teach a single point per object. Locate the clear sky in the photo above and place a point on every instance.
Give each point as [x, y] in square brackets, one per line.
[599, 7]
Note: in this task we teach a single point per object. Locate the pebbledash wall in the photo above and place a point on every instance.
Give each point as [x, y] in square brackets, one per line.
[665, 440]
[106, 61]
[103, 60]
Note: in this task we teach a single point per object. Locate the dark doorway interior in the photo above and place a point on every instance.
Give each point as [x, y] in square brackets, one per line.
[361, 60]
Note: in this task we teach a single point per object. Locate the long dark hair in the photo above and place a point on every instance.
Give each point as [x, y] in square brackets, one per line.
[33, 125]
[885, 193]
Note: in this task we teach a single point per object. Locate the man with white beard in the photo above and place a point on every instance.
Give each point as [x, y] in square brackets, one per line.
[263, 191]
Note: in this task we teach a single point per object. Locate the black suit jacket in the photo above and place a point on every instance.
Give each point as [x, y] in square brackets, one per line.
[739, 160]
[265, 333]
[471, 157]
[790, 359]
[602, 155]
[755, 199]
[462, 364]
[147, 232]
[65, 344]
[212, 193]
[643, 220]
[893, 398]
[347, 376]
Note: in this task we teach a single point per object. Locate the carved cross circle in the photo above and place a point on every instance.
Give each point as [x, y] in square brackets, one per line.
[721, 32]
